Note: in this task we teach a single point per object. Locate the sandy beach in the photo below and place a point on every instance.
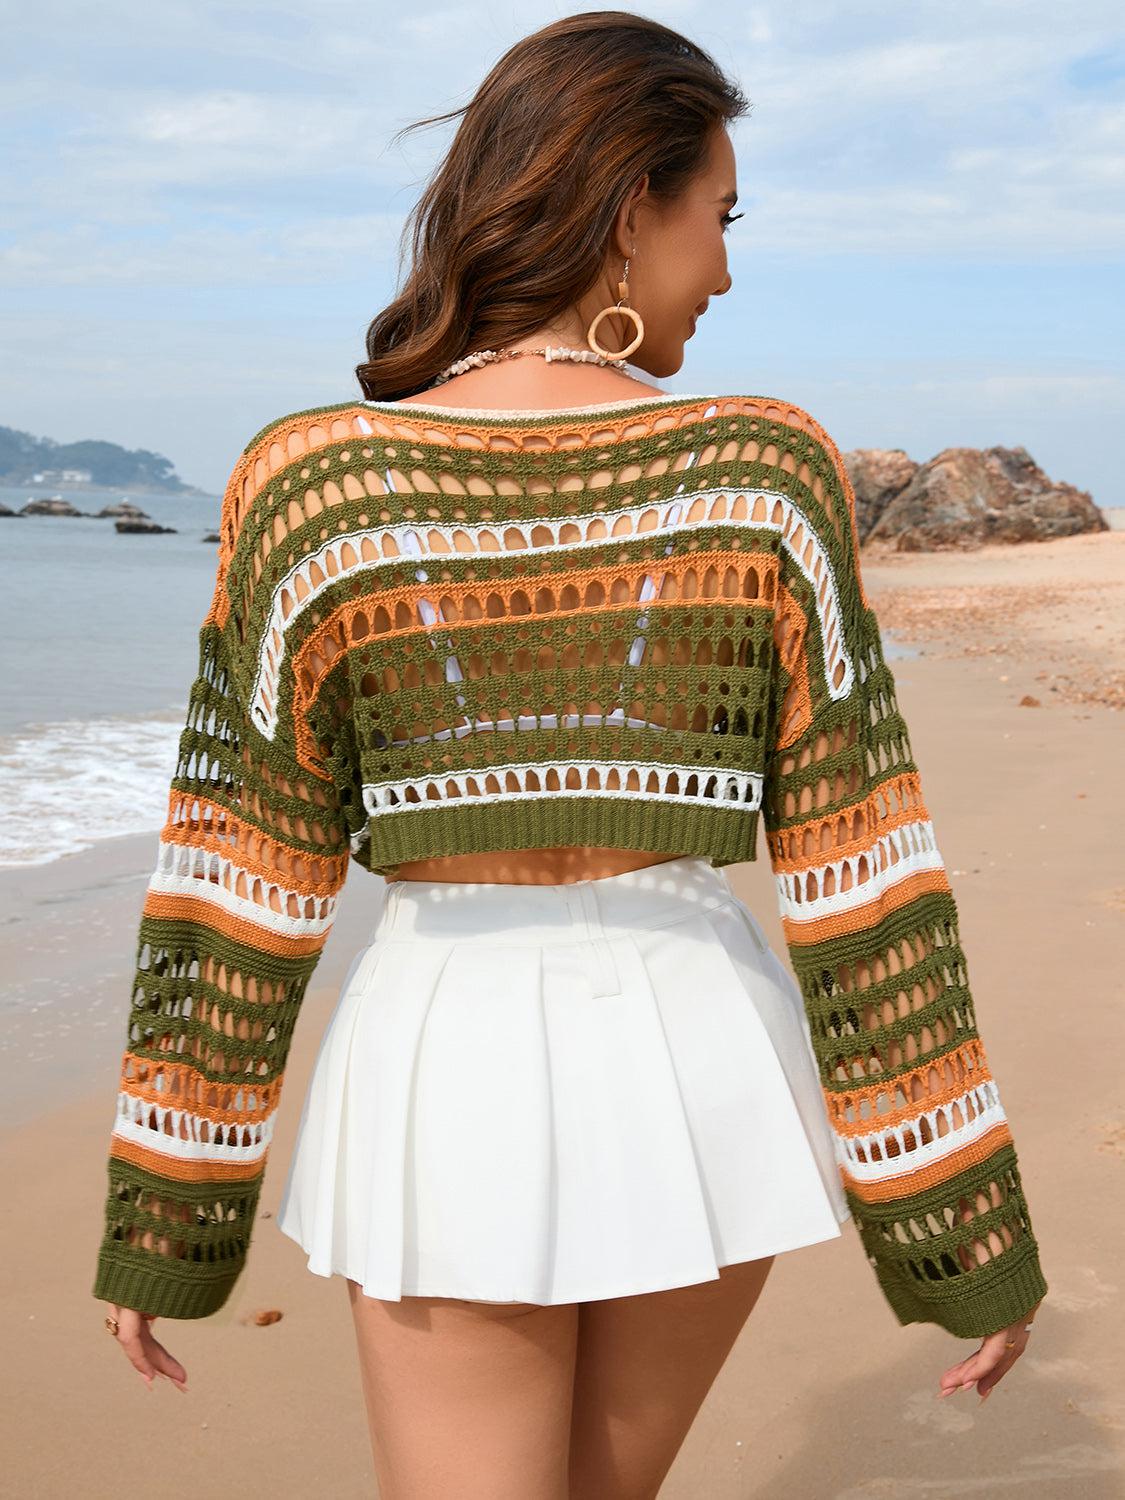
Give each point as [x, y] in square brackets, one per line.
[1013, 698]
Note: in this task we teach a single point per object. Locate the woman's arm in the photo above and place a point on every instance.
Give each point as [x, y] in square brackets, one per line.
[236, 914]
[925, 1148]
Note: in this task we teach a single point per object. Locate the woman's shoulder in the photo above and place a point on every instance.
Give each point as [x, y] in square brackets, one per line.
[779, 413]
[823, 500]
[792, 426]
[289, 436]
[276, 446]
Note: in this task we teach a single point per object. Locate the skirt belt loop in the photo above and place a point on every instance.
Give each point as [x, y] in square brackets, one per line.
[390, 904]
[604, 975]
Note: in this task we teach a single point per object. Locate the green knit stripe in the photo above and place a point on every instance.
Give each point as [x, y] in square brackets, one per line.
[165, 1288]
[846, 1022]
[881, 1221]
[213, 1218]
[1005, 1293]
[727, 837]
[915, 1249]
[174, 1000]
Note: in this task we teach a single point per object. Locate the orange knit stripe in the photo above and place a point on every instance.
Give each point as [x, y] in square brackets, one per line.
[876, 822]
[167, 908]
[192, 1169]
[281, 444]
[765, 564]
[796, 416]
[841, 924]
[232, 837]
[967, 1061]
[178, 1085]
[904, 1185]
[339, 631]
[791, 639]
[304, 434]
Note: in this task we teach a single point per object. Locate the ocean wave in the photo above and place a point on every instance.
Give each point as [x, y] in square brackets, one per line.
[65, 785]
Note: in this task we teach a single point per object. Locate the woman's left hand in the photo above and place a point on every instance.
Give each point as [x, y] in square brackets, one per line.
[992, 1361]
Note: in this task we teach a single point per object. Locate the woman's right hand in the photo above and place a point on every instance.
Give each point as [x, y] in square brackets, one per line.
[143, 1352]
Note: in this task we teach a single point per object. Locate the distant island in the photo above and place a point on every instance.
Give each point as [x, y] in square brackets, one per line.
[90, 464]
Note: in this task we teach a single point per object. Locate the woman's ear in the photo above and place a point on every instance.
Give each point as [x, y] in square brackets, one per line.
[628, 215]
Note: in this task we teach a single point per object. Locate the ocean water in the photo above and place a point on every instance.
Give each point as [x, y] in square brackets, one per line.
[101, 636]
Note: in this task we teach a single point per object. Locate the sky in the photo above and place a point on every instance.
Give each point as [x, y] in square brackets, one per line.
[201, 207]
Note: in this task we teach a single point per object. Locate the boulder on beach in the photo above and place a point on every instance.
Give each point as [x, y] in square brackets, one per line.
[878, 476]
[6, 510]
[963, 498]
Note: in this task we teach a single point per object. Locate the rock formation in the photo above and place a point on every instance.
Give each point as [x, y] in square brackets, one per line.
[52, 505]
[963, 497]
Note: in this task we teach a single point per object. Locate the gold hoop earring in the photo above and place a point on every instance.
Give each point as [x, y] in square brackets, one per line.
[620, 306]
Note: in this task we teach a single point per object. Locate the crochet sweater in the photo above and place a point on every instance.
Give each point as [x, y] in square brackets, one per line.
[635, 625]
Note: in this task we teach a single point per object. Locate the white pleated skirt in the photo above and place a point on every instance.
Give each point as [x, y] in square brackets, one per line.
[559, 1093]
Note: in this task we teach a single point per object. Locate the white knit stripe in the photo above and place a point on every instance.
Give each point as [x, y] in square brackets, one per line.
[779, 513]
[207, 875]
[250, 1144]
[659, 783]
[799, 894]
[615, 720]
[983, 1097]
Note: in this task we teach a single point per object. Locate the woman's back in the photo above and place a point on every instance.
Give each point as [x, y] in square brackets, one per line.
[505, 388]
[514, 650]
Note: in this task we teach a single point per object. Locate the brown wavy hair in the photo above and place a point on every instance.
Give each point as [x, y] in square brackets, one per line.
[513, 226]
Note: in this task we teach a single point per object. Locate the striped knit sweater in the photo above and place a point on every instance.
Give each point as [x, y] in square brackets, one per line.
[634, 625]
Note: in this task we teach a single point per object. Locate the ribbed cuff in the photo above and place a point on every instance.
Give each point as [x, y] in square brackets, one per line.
[975, 1308]
[165, 1288]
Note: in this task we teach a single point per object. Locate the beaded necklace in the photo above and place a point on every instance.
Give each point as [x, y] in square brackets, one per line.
[551, 352]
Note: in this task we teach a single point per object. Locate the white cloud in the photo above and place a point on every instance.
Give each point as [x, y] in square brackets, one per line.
[890, 134]
[201, 256]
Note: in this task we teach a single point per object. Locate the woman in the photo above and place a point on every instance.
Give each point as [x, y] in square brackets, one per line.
[569, 1108]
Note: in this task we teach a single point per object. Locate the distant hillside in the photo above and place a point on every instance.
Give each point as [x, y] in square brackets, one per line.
[91, 462]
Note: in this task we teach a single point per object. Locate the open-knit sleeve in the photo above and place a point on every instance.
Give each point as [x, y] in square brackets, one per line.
[237, 911]
[925, 1150]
